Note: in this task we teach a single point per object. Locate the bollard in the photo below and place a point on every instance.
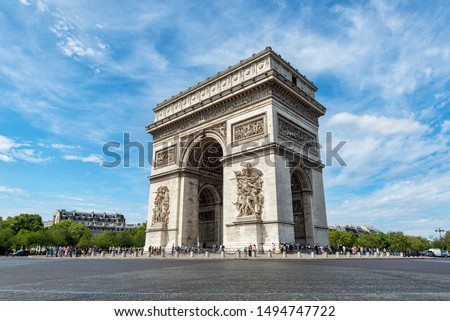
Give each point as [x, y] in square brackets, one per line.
[207, 253]
[222, 254]
[368, 254]
[177, 254]
[136, 254]
[92, 254]
[313, 254]
[238, 253]
[113, 254]
[325, 254]
[388, 254]
[103, 253]
[124, 254]
[299, 254]
[191, 254]
[149, 254]
[284, 254]
[253, 253]
[337, 254]
[349, 254]
[269, 254]
[375, 254]
[402, 254]
[163, 253]
[358, 255]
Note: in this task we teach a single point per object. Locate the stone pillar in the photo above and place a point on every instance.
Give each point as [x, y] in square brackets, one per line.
[207, 254]
[358, 255]
[238, 253]
[103, 254]
[177, 253]
[368, 254]
[388, 254]
[349, 254]
[136, 253]
[325, 254]
[337, 254]
[93, 254]
[113, 253]
[191, 254]
[253, 253]
[124, 254]
[149, 254]
[313, 254]
[222, 253]
[163, 253]
[269, 254]
[375, 254]
[299, 254]
[284, 254]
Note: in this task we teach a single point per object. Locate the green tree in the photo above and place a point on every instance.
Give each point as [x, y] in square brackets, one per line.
[67, 232]
[139, 235]
[6, 237]
[86, 240]
[125, 238]
[333, 238]
[30, 222]
[22, 239]
[397, 241]
[344, 238]
[106, 240]
[418, 243]
[382, 240]
[367, 240]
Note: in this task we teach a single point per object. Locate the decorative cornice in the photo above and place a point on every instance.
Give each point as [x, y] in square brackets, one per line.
[234, 78]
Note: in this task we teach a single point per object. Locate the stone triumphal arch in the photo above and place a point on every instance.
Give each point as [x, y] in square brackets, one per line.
[236, 160]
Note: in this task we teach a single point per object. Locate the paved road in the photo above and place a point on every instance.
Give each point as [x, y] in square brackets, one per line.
[137, 279]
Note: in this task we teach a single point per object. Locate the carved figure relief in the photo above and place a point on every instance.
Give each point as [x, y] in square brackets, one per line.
[250, 199]
[297, 135]
[249, 129]
[165, 156]
[161, 206]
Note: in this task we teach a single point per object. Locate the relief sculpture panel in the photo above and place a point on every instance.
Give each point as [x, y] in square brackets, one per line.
[161, 206]
[250, 199]
[249, 129]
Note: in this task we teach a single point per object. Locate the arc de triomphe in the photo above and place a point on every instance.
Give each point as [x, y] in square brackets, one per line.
[236, 160]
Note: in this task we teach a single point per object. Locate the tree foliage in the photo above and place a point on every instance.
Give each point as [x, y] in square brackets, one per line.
[29, 222]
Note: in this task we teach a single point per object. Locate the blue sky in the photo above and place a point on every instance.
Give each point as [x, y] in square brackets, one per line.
[77, 74]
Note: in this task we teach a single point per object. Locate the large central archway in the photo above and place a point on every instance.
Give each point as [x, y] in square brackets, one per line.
[206, 159]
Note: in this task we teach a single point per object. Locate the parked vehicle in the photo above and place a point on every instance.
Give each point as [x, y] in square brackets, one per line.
[444, 253]
[413, 253]
[21, 253]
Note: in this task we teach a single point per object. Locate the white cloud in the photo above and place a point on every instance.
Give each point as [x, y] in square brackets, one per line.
[25, 2]
[379, 148]
[64, 146]
[85, 159]
[5, 189]
[402, 204]
[378, 124]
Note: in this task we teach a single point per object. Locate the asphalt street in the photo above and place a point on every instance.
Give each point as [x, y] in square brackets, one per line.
[136, 279]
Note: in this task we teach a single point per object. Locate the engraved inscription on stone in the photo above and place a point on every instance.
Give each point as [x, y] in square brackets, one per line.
[249, 129]
[161, 206]
[165, 156]
[250, 199]
[297, 135]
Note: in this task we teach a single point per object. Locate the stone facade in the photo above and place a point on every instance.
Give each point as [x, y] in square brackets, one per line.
[236, 160]
[96, 222]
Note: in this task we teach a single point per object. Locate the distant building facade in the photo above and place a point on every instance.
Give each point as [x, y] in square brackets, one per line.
[356, 229]
[96, 222]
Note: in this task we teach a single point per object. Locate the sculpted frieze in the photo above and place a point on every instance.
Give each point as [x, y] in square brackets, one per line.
[297, 135]
[165, 157]
[249, 129]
